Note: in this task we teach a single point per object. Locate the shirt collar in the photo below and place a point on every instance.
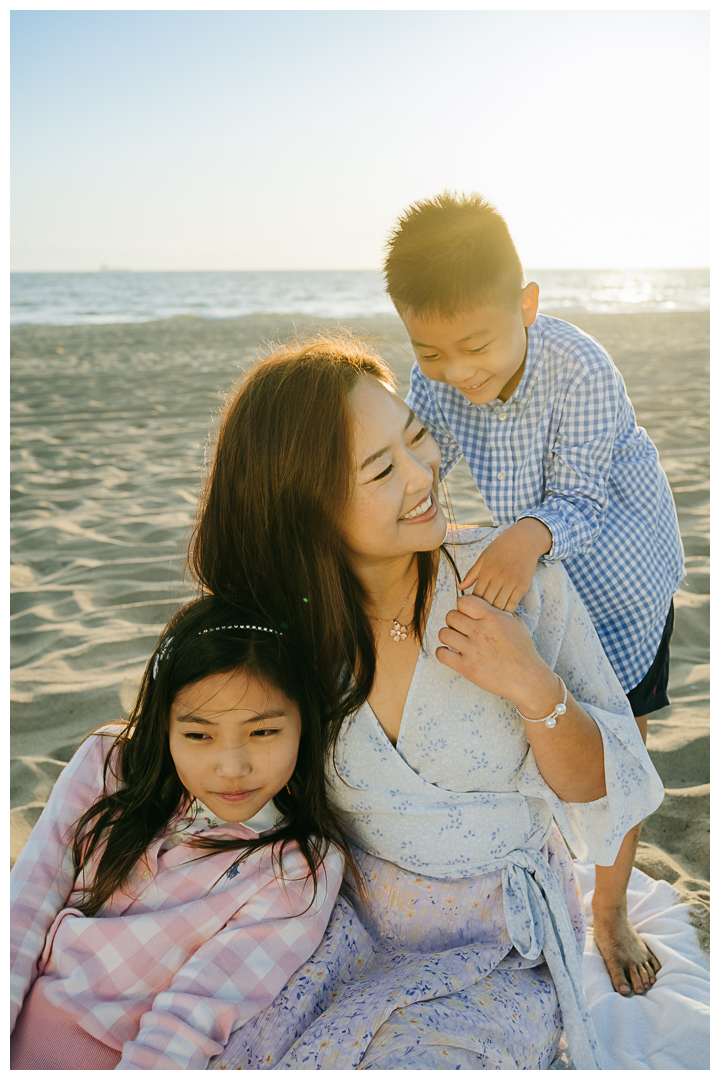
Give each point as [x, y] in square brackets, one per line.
[268, 817]
[533, 361]
[198, 819]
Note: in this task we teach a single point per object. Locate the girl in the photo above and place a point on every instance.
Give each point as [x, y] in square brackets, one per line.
[187, 861]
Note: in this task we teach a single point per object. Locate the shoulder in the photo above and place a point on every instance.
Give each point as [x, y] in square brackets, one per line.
[288, 873]
[88, 761]
[547, 604]
[568, 345]
[294, 866]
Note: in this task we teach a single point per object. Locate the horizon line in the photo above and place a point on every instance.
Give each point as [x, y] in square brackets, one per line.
[313, 270]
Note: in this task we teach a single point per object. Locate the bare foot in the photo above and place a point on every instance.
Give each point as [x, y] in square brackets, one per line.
[629, 961]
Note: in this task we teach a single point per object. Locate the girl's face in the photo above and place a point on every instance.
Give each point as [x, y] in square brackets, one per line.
[234, 741]
[393, 509]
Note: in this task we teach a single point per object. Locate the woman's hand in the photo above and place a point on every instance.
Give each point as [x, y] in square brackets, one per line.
[494, 650]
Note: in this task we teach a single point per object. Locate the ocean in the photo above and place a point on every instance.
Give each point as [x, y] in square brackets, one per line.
[115, 296]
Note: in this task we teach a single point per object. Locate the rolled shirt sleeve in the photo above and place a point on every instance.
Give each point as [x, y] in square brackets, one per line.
[576, 497]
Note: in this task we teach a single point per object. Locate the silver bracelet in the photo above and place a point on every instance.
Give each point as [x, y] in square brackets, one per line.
[551, 720]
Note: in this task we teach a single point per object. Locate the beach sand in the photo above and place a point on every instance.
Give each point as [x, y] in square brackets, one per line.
[109, 433]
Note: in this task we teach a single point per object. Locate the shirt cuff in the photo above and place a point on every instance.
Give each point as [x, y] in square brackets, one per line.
[559, 530]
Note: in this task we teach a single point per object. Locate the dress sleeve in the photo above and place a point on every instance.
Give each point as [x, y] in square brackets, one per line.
[422, 401]
[239, 971]
[566, 639]
[576, 492]
[42, 879]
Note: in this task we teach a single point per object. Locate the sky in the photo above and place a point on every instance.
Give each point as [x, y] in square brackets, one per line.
[270, 140]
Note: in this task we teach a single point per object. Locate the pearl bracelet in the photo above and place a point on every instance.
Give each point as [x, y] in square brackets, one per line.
[551, 720]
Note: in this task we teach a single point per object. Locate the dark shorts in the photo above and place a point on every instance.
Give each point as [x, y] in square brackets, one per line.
[650, 694]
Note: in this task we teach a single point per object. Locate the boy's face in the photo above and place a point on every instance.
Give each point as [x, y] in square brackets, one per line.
[482, 352]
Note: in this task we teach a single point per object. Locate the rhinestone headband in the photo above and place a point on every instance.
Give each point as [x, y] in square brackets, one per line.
[163, 650]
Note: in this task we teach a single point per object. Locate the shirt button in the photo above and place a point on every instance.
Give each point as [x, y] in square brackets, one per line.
[501, 476]
[502, 416]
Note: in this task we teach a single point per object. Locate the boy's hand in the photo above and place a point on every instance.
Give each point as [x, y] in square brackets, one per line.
[503, 573]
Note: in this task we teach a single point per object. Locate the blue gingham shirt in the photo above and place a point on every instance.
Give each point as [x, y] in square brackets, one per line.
[565, 448]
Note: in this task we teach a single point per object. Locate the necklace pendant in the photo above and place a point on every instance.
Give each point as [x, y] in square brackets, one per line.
[398, 632]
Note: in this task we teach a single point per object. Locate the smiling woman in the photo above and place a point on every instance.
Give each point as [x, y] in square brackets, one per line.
[323, 495]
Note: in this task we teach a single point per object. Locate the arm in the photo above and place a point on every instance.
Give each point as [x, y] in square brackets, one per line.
[42, 878]
[573, 510]
[421, 400]
[238, 972]
[564, 640]
[576, 495]
[494, 650]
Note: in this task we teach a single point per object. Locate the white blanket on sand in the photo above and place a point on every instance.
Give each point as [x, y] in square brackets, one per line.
[669, 1026]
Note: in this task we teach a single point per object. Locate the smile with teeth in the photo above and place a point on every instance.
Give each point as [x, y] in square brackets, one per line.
[421, 509]
[477, 385]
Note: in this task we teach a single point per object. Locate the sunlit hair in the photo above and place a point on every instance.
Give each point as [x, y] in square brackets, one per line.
[271, 511]
[449, 254]
[142, 793]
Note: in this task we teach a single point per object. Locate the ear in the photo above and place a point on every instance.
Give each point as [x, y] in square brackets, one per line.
[529, 304]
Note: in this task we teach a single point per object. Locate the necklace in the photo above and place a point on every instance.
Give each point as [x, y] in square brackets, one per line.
[398, 631]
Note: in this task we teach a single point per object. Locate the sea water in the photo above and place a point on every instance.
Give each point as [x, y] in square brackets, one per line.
[111, 296]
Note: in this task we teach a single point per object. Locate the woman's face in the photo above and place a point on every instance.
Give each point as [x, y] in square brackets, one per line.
[393, 508]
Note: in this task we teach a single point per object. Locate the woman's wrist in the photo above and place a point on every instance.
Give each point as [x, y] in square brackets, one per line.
[538, 700]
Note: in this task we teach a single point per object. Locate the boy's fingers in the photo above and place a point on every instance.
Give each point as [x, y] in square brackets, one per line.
[491, 593]
[479, 591]
[515, 597]
[502, 598]
[471, 576]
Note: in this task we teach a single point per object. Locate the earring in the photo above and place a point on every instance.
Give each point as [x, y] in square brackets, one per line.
[287, 788]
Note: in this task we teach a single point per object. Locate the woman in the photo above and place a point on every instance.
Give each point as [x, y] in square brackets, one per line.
[465, 953]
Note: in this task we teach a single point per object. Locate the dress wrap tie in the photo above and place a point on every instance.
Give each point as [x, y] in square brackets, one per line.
[537, 920]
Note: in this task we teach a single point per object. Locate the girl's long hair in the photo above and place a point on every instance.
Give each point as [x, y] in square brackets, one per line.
[142, 793]
[271, 509]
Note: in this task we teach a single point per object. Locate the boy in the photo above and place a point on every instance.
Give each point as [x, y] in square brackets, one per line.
[541, 414]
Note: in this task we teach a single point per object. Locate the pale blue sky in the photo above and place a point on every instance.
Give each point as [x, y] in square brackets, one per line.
[292, 139]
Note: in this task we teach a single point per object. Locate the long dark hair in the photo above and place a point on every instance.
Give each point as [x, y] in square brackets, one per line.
[142, 793]
[270, 513]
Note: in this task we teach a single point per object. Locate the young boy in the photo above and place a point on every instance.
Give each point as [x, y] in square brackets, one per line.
[542, 417]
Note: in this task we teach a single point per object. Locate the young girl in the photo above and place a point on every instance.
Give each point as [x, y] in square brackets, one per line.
[186, 863]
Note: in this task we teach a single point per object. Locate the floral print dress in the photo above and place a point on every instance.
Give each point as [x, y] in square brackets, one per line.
[466, 954]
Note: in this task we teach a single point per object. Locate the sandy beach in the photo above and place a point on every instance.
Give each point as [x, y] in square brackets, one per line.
[109, 433]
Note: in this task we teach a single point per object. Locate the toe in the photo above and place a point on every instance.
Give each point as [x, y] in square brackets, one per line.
[654, 962]
[619, 979]
[639, 979]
